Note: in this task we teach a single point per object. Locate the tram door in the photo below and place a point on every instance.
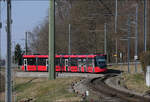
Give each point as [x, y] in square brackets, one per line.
[25, 64]
[66, 64]
[91, 65]
[79, 64]
[85, 64]
[62, 64]
[82, 65]
[46, 64]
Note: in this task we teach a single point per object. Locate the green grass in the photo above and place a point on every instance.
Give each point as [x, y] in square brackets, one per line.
[44, 90]
[21, 87]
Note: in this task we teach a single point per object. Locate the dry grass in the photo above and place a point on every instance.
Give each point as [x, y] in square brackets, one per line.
[124, 68]
[133, 81]
[2, 85]
[2, 82]
[44, 90]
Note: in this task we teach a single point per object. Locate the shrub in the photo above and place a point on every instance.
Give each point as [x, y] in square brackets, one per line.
[145, 60]
[2, 83]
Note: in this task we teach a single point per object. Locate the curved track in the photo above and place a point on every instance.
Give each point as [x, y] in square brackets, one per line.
[98, 84]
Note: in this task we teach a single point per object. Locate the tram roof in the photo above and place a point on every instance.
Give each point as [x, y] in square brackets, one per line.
[33, 56]
[65, 56]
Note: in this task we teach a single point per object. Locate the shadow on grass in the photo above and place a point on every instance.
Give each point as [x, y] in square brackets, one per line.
[22, 86]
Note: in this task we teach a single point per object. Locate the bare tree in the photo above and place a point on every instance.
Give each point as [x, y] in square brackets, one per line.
[87, 36]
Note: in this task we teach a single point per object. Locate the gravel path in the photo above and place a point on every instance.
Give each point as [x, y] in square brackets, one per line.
[82, 88]
[45, 74]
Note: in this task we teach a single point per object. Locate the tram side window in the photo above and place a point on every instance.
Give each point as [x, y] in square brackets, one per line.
[73, 61]
[57, 61]
[90, 62]
[31, 61]
[42, 61]
[80, 62]
[85, 62]
[63, 61]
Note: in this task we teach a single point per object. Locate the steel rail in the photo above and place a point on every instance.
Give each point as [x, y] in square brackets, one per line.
[98, 84]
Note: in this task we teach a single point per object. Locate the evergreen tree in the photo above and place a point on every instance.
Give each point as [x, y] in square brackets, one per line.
[18, 54]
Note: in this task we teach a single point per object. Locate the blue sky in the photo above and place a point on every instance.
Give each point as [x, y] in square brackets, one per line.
[25, 15]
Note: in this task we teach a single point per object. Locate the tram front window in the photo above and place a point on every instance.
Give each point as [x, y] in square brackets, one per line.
[101, 61]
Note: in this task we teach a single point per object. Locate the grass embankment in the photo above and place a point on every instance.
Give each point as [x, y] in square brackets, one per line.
[124, 68]
[133, 81]
[44, 90]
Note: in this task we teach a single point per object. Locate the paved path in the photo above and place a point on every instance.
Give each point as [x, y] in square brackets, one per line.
[45, 74]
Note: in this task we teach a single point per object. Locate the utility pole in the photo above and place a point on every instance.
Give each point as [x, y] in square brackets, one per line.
[129, 33]
[69, 42]
[136, 40]
[8, 90]
[0, 42]
[105, 38]
[145, 25]
[51, 40]
[26, 43]
[0, 34]
[116, 21]
[116, 50]
[116, 16]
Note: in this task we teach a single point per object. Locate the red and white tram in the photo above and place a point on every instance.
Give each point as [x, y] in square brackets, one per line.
[66, 63]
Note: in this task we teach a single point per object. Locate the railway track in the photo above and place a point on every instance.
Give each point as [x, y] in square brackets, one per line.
[98, 85]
